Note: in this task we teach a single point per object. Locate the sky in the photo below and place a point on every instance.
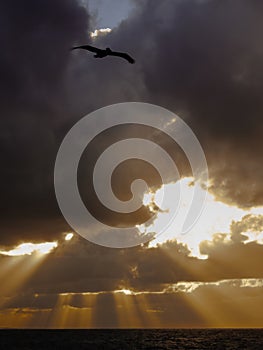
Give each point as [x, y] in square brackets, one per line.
[203, 61]
[109, 14]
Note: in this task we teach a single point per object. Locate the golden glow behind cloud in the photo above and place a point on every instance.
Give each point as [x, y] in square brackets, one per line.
[215, 218]
[69, 236]
[98, 32]
[30, 248]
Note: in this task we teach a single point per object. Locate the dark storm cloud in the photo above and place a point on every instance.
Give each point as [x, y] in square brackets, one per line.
[35, 41]
[201, 59]
[204, 60]
[44, 90]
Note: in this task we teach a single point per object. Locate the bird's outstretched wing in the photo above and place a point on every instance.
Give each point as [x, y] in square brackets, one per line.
[122, 55]
[87, 47]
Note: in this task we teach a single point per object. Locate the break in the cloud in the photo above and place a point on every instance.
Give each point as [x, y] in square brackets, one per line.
[230, 221]
[99, 32]
[29, 248]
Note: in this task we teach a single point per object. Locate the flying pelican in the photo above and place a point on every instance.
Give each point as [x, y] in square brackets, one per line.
[103, 53]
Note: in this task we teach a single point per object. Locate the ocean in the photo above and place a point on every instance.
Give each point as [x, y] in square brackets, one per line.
[225, 339]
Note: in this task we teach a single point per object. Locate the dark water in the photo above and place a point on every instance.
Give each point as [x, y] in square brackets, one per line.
[224, 339]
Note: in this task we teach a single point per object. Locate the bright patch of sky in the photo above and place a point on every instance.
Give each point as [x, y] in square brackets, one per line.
[108, 13]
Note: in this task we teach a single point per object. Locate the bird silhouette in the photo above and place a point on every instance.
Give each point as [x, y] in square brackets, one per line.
[100, 53]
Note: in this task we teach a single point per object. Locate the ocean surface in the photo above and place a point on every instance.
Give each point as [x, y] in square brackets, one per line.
[224, 339]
